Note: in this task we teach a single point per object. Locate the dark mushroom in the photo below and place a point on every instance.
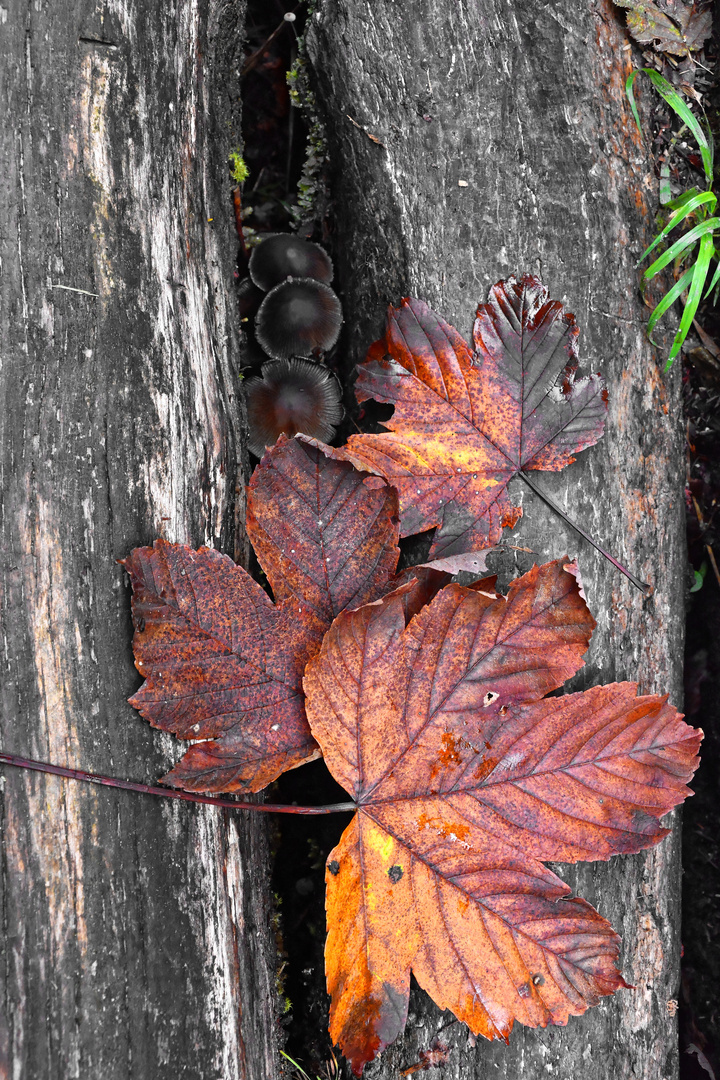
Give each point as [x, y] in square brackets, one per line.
[249, 298]
[291, 396]
[286, 255]
[298, 317]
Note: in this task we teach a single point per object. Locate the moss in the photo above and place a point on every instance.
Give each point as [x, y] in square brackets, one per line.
[311, 183]
[238, 169]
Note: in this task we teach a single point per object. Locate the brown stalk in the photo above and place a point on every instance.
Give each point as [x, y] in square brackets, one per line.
[641, 585]
[168, 793]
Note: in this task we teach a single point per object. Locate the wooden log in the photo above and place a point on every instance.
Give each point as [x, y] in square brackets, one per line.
[467, 141]
[136, 938]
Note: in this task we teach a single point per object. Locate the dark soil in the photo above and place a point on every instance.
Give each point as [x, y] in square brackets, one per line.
[700, 1001]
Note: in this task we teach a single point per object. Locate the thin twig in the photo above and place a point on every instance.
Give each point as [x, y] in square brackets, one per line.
[69, 288]
[255, 57]
[641, 585]
[169, 793]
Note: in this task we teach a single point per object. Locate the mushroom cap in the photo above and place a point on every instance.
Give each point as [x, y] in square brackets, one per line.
[249, 298]
[297, 317]
[291, 396]
[285, 255]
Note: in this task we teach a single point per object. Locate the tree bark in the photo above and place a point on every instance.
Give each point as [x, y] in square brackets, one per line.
[136, 940]
[468, 141]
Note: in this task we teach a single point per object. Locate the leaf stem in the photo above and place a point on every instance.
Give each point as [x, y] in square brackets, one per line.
[641, 585]
[169, 793]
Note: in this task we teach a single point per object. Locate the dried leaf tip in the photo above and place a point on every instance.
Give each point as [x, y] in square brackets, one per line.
[298, 317]
[285, 255]
[292, 396]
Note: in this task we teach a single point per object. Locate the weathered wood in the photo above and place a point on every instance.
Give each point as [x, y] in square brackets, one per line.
[506, 144]
[135, 932]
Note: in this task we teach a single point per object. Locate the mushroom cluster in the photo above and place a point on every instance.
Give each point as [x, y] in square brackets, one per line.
[297, 319]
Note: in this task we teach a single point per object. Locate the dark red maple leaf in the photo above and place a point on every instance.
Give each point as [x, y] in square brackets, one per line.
[223, 664]
[466, 422]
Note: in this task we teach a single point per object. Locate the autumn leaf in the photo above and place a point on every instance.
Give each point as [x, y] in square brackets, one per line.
[441, 871]
[325, 535]
[466, 422]
[679, 33]
[223, 664]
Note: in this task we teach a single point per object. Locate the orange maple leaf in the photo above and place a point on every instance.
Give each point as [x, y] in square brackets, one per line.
[223, 664]
[466, 780]
[466, 422]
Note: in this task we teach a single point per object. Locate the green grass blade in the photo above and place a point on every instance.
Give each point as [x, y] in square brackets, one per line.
[687, 208]
[716, 278]
[700, 272]
[687, 240]
[677, 204]
[665, 189]
[631, 98]
[680, 106]
[699, 577]
[668, 300]
[295, 1065]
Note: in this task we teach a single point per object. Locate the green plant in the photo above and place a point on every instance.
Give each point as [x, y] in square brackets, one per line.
[303, 97]
[238, 169]
[699, 577]
[695, 249]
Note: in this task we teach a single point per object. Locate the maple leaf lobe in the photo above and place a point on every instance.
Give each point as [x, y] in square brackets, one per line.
[222, 665]
[325, 534]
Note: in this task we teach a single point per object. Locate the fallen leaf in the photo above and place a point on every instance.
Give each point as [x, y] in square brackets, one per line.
[223, 664]
[475, 562]
[680, 34]
[441, 871]
[465, 423]
[325, 534]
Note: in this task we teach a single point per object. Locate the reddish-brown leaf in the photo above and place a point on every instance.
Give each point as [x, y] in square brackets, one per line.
[465, 423]
[223, 664]
[325, 534]
[441, 871]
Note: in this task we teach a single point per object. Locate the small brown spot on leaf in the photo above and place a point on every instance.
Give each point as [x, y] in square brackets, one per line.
[538, 980]
[449, 754]
[485, 768]
[395, 873]
[334, 868]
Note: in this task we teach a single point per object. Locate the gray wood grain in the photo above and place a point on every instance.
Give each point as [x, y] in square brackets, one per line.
[135, 932]
[506, 144]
